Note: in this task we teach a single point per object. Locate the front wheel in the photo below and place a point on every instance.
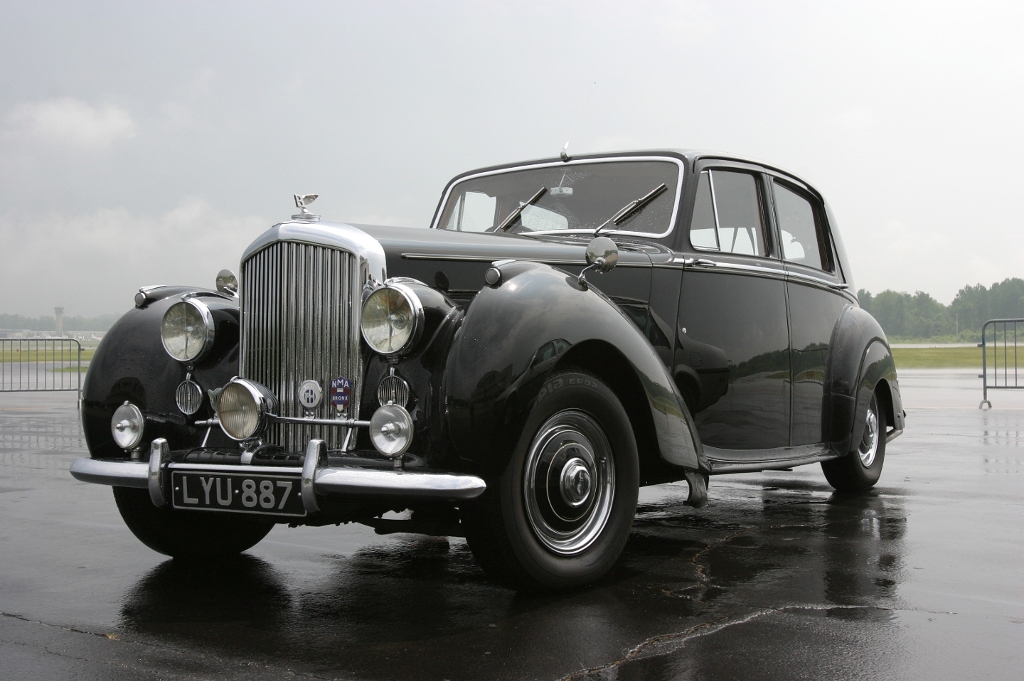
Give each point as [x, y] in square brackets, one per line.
[561, 511]
[862, 467]
[187, 534]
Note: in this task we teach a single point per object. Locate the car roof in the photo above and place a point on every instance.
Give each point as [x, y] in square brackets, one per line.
[691, 156]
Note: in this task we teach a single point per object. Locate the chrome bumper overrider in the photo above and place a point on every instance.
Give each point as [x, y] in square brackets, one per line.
[314, 477]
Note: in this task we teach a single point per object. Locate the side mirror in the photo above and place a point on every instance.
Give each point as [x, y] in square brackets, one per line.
[602, 255]
[227, 282]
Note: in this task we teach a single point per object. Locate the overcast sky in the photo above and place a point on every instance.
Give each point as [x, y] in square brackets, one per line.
[149, 142]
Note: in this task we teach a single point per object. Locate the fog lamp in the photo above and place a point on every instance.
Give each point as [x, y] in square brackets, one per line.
[126, 426]
[391, 430]
[243, 407]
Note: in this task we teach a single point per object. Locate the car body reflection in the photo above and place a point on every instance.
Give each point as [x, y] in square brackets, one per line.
[405, 602]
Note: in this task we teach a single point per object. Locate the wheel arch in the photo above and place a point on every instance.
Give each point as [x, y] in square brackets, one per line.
[861, 365]
[508, 343]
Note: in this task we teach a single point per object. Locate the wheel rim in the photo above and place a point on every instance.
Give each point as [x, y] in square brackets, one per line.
[869, 443]
[569, 482]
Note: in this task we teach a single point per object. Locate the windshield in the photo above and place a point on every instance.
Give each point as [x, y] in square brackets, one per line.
[579, 197]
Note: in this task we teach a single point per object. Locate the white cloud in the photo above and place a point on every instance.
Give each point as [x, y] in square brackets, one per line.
[94, 263]
[69, 122]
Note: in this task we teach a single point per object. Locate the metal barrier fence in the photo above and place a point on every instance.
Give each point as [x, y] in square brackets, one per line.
[1003, 346]
[38, 364]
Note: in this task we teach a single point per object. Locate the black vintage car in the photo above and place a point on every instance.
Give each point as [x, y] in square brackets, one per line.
[566, 331]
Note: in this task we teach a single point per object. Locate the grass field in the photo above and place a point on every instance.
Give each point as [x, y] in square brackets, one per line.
[940, 358]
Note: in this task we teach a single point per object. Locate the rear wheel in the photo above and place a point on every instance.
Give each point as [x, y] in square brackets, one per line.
[187, 534]
[561, 511]
[861, 469]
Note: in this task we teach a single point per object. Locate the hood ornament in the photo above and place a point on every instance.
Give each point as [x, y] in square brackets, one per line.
[301, 201]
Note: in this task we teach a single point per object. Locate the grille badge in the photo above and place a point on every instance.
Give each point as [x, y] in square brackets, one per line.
[341, 390]
[310, 394]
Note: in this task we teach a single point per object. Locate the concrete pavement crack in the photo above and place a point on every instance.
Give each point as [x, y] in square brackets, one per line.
[22, 618]
[695, 560]
[674, 641]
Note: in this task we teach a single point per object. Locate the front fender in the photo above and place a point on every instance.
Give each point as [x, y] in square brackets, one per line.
[131, 364]
[515, 333]
[860, 361]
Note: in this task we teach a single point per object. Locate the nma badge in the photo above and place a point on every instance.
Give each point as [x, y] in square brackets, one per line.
[341, 392]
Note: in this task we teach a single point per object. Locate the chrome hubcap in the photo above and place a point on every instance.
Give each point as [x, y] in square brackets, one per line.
[569, 482]
[869, 443]
[575, 482]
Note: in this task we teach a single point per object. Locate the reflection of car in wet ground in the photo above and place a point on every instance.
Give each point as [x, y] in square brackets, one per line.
[566, 331]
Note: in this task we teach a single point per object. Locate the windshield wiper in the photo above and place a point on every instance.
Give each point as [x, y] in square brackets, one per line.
[514, 215]
[632, 208]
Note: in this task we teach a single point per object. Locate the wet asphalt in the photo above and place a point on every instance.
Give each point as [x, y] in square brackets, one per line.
[778, 578]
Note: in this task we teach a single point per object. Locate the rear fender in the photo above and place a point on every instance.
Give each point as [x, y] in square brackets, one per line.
[860, 363]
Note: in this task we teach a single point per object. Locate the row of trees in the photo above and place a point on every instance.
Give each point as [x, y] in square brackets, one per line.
[919, 317]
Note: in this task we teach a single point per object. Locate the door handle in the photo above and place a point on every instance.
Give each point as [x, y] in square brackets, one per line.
[699, 262]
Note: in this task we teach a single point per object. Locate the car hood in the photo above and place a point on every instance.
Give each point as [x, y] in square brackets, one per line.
[443, 244]
[456, 261]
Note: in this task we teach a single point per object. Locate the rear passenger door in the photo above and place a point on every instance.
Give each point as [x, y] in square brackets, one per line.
[816, 299]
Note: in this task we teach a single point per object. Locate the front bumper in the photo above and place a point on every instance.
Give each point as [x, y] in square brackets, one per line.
[316, 479]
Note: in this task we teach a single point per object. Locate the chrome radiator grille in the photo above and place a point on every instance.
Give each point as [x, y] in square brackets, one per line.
[299, 305]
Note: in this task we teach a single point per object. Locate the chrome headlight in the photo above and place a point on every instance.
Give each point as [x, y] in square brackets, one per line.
[243, 407]
[187, 330]
[126, 426]
[392, 319]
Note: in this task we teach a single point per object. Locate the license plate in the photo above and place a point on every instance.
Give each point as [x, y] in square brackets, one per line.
[264, 494]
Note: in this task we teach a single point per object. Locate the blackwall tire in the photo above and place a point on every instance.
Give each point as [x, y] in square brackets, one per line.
[187, 534]
[861, 468]
[560, 513]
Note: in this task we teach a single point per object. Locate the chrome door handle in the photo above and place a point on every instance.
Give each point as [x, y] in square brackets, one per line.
[699, 262]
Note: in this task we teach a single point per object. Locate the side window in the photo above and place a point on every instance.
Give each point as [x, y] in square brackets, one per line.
[703, 230]
[473, 212]
[727, 214]
[802, 239]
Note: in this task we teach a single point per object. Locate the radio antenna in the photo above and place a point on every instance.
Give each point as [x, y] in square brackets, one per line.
[565, 149]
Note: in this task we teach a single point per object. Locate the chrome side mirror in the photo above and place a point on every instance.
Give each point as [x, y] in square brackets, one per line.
[227, 283]
[602, 255]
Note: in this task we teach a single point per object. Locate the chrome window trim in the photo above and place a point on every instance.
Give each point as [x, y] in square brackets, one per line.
[817, 280]
[553, 164]
[714, 210]
[719, 266]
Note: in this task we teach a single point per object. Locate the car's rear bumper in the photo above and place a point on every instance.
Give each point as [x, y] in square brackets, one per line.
[315, 478]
